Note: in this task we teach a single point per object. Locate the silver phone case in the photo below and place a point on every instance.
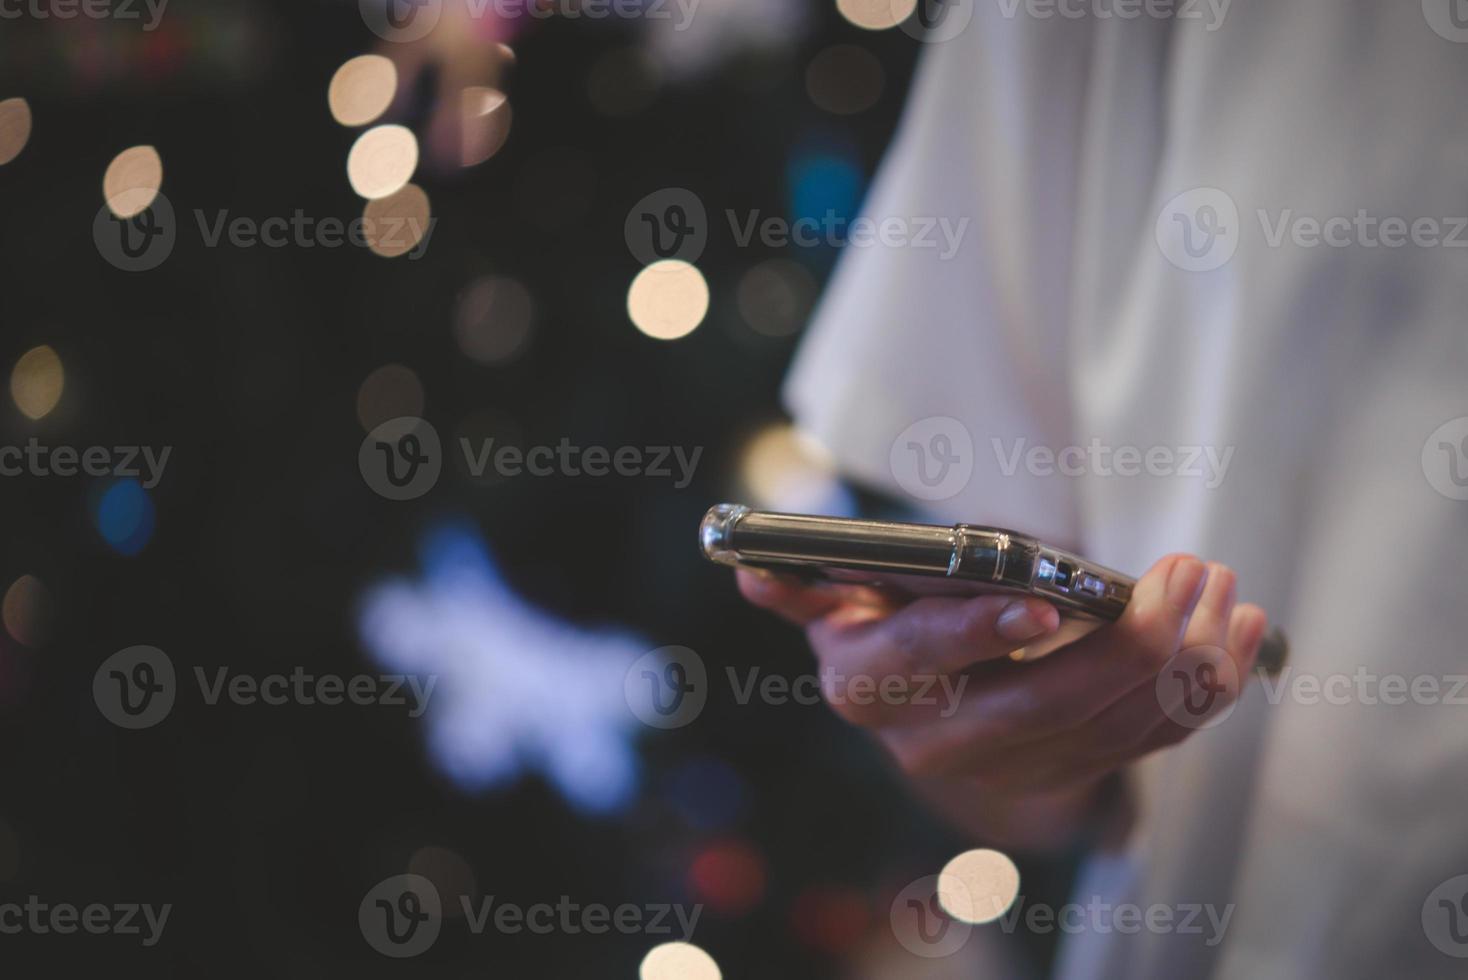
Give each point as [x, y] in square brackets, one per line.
[925, 559]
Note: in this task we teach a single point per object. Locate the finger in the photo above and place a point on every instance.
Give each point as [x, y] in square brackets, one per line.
[1150, 718]
[1209, 623]
[934, 635]
[1152, 625]
[1015, 705]
[785, 596]
[911, 655]
[1245, 634]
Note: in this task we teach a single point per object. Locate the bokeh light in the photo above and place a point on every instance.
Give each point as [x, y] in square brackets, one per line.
[623, 82]
[397, 224]
[978, 886]
[729, 877]
[493, 318]
[451, 876]
[362, 89]
[26, 611]
[36, 382]
[132, 181]
[830, 918]
[845, 79]
[668, 299]
[678, 961]
[783, 468]
[124, 517]
[15, 128]
[484, 124]
[876, 15]
[775, 297]
[390, 392]
[382, 161]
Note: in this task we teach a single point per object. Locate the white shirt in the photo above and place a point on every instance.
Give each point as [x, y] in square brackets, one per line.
[1066, 318]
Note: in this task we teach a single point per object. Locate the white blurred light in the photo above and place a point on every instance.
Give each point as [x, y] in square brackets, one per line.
[382, 161]
[485, 118]
[132, 181]
[362, 89]
[37, 381]
[15, 128]
[782, 468]
[876, 15]
[26, 611]
[396, 224]
[678, 961]
[668, 299]
[978, 886]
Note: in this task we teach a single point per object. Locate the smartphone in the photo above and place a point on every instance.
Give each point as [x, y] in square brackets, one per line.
[923, 559]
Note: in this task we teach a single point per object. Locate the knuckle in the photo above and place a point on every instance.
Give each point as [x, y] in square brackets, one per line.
[856, 710]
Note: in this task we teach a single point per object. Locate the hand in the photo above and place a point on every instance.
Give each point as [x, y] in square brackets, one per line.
[1029, 744]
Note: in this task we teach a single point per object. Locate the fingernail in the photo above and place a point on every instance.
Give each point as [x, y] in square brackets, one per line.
[1018, 623]
[1185, 582]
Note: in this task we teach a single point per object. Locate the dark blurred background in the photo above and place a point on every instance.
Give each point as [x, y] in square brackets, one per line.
[263, 549]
